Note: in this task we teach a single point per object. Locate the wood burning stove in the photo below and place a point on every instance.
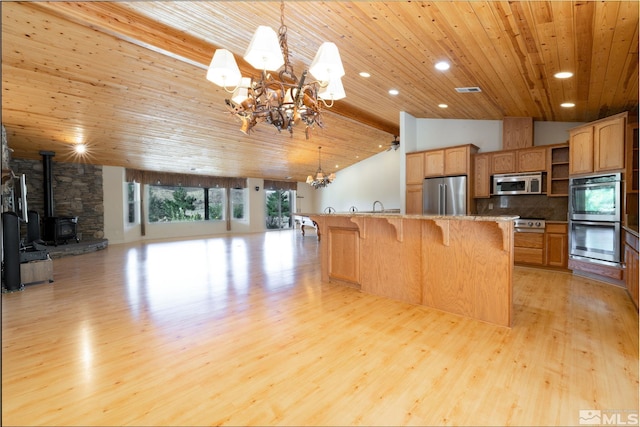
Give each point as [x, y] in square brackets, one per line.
[61, 229]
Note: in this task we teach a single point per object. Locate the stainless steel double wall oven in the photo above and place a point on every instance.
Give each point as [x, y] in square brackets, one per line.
[594, 218]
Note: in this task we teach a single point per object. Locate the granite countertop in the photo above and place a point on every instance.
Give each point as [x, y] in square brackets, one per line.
[446, 217]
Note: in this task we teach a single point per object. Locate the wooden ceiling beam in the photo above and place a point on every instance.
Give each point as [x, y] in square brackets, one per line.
[113, 19]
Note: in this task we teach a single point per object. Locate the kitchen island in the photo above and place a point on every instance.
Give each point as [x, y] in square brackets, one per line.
[458, 264]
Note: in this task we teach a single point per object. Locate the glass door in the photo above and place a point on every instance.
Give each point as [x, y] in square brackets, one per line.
[278, 207]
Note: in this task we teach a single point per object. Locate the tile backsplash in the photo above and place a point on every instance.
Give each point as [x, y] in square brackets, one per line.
[526, 206]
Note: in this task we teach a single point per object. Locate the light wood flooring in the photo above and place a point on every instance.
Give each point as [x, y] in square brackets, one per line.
[241, 331]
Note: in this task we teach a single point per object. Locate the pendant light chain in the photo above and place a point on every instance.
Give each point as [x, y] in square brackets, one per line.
[282, 35]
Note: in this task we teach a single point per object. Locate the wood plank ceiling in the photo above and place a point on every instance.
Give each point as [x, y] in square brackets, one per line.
[128, 78]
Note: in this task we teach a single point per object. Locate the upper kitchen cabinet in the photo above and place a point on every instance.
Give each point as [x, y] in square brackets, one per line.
[415, 168]
[434, 163]
[533, 159]
[503, 162]
[449, 161]
[517, 132]
[631, 176]
[482, 177]
[598, 146]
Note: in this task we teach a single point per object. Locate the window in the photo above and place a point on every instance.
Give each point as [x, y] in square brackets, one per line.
[216, 203]
[169, 203]
[133, 202]
[237, 203]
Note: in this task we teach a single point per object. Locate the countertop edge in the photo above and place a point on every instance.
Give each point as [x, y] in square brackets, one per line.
[482, 218]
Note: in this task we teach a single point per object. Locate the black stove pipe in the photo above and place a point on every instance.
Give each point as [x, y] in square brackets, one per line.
[47, 175]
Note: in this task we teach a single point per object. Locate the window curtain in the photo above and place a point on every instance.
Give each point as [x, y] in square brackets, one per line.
[280, 185]
[183, 180]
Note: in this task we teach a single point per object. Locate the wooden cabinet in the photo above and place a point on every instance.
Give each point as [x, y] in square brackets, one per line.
[631, 177]
[631, 276]
[517, 132]
[415, 168]
[448, 161]
[503, 162]
[434, 163]
[457, 160]
[598, 146]
[558, 170]
[532, 159]
[414, 199]
[608, 144]
[556, 245]
[632, 157]
[581, 151]
[548, 249]
[344, 254]
[482, 176]
[528, 248]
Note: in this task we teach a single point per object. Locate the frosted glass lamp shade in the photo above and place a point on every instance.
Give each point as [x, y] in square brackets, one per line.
[264, 51]
[327, 64]
[223, 69]
[309, 179]
[333, 91]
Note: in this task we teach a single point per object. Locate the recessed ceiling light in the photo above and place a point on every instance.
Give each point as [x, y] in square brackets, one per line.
[442, 66]
[442, 105]
[393, 91]
[568, 105]
[563, 75]
[80, 148]
[364, 74]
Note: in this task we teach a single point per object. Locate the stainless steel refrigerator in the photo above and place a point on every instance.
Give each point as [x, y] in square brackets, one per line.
[445, 196]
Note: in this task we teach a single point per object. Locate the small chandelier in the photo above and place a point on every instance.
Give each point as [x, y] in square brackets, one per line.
[321, 180]
[282, 100]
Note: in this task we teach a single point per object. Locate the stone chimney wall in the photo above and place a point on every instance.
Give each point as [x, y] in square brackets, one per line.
[77, 191]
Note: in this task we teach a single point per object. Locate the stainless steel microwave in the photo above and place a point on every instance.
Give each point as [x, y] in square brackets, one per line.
[517, 183]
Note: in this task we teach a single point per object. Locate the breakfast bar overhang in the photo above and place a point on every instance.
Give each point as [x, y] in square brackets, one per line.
[459, 264]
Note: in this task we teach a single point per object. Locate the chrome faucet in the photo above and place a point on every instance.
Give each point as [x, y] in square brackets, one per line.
[381, 206]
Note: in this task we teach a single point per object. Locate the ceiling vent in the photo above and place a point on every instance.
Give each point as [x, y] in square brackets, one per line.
[468, 89]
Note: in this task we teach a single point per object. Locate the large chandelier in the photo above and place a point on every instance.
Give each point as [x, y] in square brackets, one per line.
[282, 100]
[321, 179]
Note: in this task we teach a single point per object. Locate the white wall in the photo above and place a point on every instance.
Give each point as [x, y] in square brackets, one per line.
[375, 178]
[547, 133]
[113, 199]
[437, 133]
[307, 198]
